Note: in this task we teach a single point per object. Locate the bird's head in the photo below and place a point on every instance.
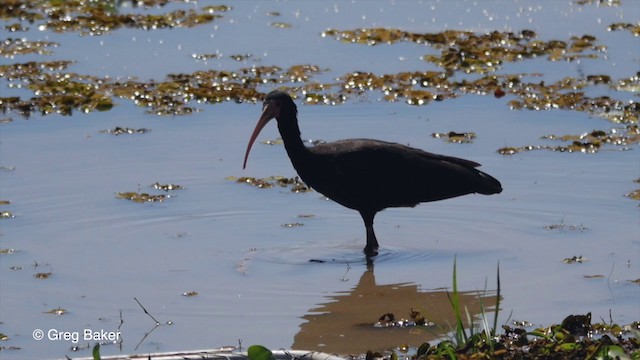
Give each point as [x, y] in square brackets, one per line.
[277, 105]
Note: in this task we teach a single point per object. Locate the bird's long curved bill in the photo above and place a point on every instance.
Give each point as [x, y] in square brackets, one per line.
[268, 113]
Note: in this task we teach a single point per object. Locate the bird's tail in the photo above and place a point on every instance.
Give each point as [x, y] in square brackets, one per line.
[489, 184]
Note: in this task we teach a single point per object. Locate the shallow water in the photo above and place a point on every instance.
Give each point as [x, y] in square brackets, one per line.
[226, 241]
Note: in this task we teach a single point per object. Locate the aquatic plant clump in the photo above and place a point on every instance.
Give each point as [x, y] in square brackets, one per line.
[295, 184]
[476, 53]
[620, 139]
[100, 17]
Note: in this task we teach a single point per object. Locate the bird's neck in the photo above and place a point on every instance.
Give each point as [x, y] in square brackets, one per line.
[290, 133]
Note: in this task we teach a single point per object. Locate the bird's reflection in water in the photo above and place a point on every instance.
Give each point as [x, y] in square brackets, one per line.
[345, 324]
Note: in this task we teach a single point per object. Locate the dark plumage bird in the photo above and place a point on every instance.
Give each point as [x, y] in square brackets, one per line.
[371, 175]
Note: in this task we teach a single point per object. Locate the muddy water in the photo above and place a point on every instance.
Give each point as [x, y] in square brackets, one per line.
[229, 242]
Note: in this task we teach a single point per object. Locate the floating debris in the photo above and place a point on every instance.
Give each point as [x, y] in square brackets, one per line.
[292, 225]
[216, 8]
[7, 251]
[296, 185]
[574, 259]
[167, 187]
[587, 143]
[6, 215]
[90, 18]
[42, 275]
[141, 197]
[634, 29]
[277, 141]
[15, 27]
[455, 137]
[9, 47]
[281, 25]
[206, 56]
[562, 226]
[124, 130]
[58, 311]
[241, 57]
[190, 293]
[476, 53]
[259, 183]
[389, 320]
[521, 323]
[635, 194]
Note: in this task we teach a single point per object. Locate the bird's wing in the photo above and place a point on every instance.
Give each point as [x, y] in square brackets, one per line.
[393, 174]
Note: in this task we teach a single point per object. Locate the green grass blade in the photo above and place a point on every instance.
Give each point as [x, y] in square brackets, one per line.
[96, 352]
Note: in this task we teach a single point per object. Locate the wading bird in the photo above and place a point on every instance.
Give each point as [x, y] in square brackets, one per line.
[371, 175]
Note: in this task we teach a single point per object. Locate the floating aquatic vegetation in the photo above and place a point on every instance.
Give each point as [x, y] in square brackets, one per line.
[166, 187]
[415, 319]
[635, 194]
[597, 276]
[632, 28]
[587, 148]
[11, 47]
[567, 94]
[28, 72]
[574, 259]
[216, 8]
[57, 311]
[206, 56]
[476, 53]
[455, 137]
[598, 2]
[277, 141]
[99, 17]
[280, 25]
[632, 84]
[97, 20]
[141, 197]
[259, 183]
[60, 92]
[124, 130]
[616, 136]
[312, 98]
[562, 226]
[292, 225]
[240, 57]
[296, 185]
[587, 143]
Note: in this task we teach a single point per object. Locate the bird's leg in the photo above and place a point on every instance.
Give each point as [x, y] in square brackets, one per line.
[371, 249]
